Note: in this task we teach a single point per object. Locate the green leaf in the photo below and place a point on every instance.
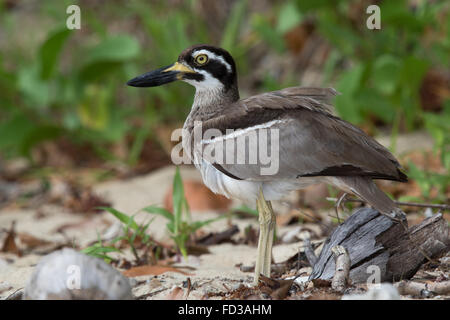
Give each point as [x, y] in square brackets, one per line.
[231, 32]
[99, 249]
[93, 110]
[397, 14]
[348, 84]
[288, 17]
[385, 73]
[35, 90]
[159, 211]
[412, 72]
[268, 33]
[108, 55]
[37, 135]
[129, 221]
[420, 177]
[14, 131]
[50, 51]
[115, 48]
[137, 146]
[199, 224]
[307, 5]
[372, 102]
[177, 199]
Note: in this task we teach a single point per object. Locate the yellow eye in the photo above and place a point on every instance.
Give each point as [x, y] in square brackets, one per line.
[201, 59]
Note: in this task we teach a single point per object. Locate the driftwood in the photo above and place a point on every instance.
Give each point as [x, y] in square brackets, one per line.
[382, 250]
[421, 289]
[342, 262]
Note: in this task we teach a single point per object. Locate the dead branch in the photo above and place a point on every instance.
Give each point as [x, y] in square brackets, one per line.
[309, 252]
[342, 260]
[400, 203]
[415, 288]
[220, 237]
[382, 250]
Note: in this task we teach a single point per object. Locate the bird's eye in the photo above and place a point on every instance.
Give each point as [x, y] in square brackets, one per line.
[201, 59]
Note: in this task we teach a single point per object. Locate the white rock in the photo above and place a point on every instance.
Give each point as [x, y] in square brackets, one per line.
[292, 235]
[71, 275]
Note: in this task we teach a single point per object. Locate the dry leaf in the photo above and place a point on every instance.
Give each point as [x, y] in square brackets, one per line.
[30, 241]
[199, 198]
[83, 200]
[175, 294]
[9, 244]
[151, 270]
[320, 283]
[189, 287]
[283, 290]
[196, 250]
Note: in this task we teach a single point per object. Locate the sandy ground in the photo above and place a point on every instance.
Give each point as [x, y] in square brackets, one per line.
[213, 272]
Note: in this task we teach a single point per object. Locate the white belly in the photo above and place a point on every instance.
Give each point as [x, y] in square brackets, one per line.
[248, 190]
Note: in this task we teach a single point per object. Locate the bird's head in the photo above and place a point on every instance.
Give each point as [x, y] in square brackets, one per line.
[203, 66]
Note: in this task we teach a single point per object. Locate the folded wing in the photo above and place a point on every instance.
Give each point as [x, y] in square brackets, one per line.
[296, 136]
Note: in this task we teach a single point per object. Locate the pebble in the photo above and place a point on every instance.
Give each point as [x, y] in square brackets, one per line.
[70, 275]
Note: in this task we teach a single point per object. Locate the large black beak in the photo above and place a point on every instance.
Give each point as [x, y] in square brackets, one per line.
[161, 76]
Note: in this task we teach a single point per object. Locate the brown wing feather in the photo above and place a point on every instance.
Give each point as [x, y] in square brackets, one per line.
[315, 143]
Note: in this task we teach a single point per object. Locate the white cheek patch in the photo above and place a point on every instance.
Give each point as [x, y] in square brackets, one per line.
[212, 55]
[208, 83]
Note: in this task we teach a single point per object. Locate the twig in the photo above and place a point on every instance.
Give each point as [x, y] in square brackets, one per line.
[189, 287]
[422, 289]
[316, 220]
[342, 259]
[217, 238]
[401, 203]
[309, 252]
[338, 204]
[16, 295]
[146, 295]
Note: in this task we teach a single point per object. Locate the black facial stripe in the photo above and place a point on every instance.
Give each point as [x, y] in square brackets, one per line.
[194, 76]
[215, 67]
[219, 71]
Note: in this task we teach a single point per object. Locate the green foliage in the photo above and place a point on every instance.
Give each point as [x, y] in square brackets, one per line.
[387, 65]
[439, 128]
[131, 231]
[179, 223]
[59, 83]
[428, 180]
[99, 250]
[230, 38]
[76, 101]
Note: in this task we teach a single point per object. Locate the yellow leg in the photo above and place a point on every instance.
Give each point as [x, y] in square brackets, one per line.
[267, 227]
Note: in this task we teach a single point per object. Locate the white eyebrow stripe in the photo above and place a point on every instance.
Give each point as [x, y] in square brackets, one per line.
[240, 132]
[212, 55]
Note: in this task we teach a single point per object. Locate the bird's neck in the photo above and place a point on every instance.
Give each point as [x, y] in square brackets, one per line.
[210, 103]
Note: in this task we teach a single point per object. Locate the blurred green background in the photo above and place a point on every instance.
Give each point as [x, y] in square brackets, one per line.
[64, 102]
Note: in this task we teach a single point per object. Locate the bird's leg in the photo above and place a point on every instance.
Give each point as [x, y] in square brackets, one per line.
[266, 231]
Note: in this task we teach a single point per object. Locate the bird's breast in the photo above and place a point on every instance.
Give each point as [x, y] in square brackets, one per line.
[247, 190]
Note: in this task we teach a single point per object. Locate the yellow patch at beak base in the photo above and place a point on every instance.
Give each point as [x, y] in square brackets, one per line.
[179, 67]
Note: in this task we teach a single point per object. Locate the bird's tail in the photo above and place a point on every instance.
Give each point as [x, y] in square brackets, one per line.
[367, 190]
